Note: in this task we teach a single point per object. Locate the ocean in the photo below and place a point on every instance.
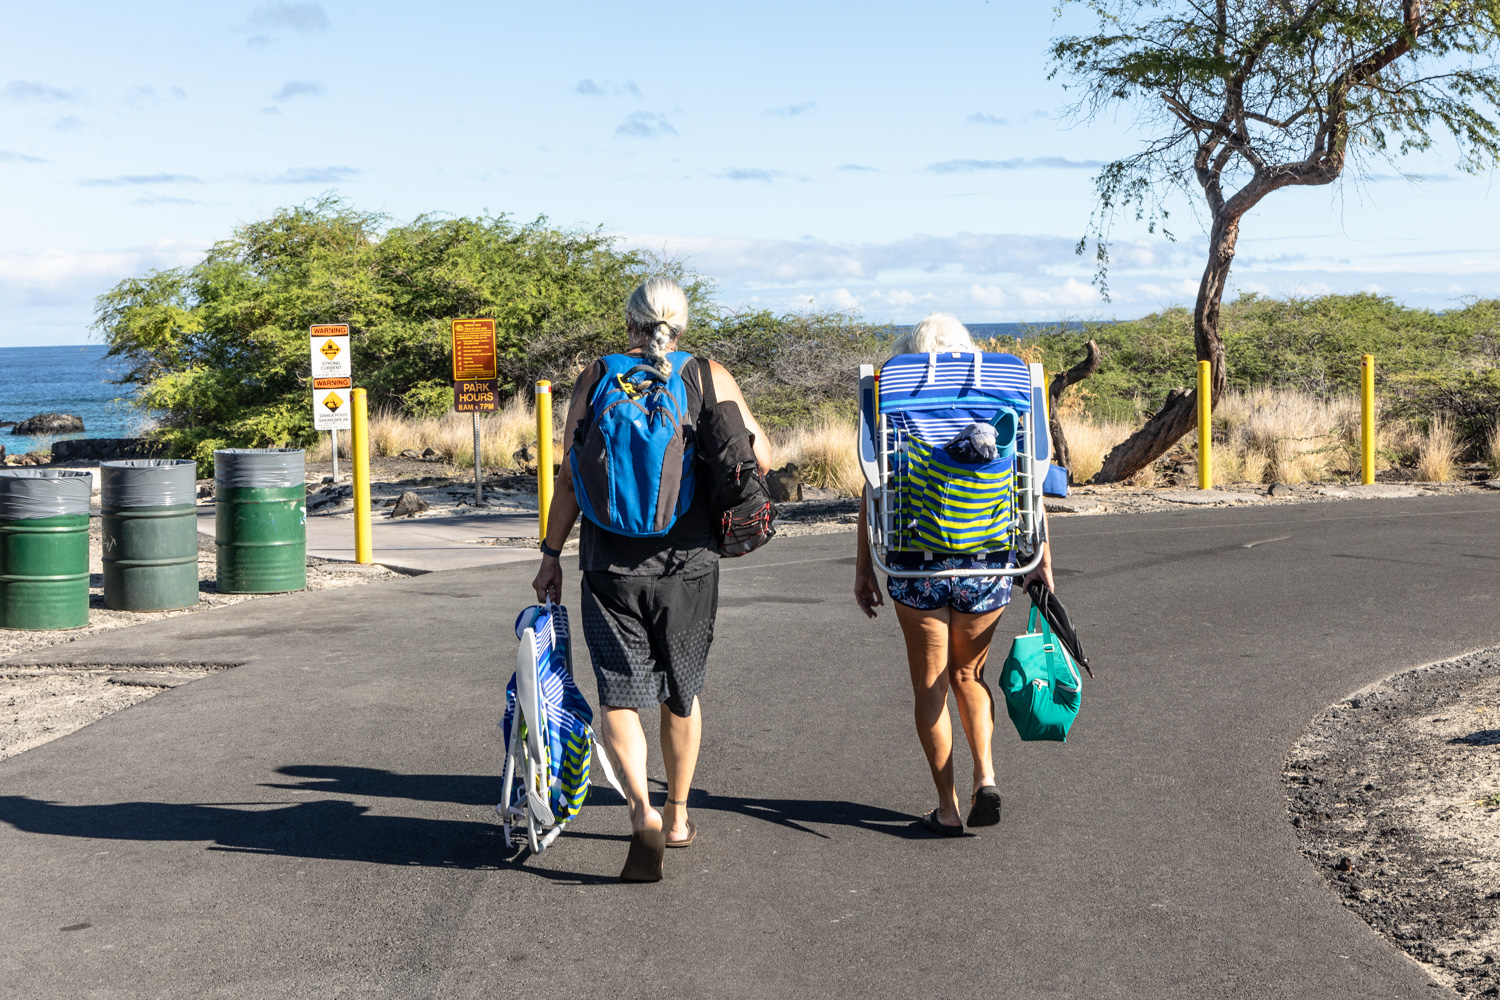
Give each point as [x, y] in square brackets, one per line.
[72, 380]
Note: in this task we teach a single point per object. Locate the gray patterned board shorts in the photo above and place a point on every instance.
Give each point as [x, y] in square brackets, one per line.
[648, 636]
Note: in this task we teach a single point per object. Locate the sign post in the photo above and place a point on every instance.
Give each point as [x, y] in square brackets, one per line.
[476, 387]
[331, 383]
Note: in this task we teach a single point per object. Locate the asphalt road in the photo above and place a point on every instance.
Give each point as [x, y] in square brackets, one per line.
[318, 821]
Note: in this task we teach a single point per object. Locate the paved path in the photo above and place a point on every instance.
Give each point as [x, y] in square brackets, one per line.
[317, 822]
[417, 545]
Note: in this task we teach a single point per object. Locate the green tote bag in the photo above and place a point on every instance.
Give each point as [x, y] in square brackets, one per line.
[1041, 684]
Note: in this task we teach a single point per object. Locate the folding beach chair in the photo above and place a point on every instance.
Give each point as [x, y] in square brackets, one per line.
[548, 737]
[919, 497]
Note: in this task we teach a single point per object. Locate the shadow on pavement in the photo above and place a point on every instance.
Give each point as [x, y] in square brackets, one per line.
[329, 829]
[792, 814]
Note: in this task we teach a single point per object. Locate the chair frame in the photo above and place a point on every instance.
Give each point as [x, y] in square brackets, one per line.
[879, 442]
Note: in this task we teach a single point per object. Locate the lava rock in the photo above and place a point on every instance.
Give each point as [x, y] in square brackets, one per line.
[409, 505]
[785, 483]
[411, 453]
[49, 423]
[429, 453]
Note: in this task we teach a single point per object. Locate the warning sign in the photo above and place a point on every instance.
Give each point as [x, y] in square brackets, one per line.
[476, 395]
[330, 350]
[331, 404]
[473, 350]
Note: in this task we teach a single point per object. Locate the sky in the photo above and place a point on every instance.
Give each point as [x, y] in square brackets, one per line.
[890, 159]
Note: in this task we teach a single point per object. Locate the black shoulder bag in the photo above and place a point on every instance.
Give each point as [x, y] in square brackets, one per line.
[738, 499]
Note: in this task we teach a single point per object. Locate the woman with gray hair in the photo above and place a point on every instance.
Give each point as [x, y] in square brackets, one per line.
[948, 624]
[649, 598]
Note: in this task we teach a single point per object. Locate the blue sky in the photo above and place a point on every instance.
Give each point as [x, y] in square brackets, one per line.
[880, 157]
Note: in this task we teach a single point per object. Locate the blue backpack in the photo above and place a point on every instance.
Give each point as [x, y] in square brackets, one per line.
[633, 470]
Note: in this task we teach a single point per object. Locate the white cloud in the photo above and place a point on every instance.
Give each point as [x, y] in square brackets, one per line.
[32, 91]
[645, 125]
[842, 298]
[1070, 294]
[793, 110]
[303, 17]
[299, 88]
[71, 278]
[988, 295]
[790, 262]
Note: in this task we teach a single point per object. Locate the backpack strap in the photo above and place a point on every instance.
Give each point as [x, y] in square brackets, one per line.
[706, 383]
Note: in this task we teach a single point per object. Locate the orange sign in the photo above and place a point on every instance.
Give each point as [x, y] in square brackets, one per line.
[476, 395]
[332, 383]
[473, 350]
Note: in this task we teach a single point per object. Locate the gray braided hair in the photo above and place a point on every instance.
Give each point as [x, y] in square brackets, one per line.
[658, 307]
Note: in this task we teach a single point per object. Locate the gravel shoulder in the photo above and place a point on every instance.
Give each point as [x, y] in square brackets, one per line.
[1395, 795]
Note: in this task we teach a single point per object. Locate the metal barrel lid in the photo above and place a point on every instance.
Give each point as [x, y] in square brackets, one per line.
[27, 494]
[259, 468]
[148, 482]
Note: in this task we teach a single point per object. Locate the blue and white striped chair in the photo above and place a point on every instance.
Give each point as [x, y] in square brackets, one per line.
[919, 499]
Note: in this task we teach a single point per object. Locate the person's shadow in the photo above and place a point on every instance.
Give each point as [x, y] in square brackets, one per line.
[342, 830]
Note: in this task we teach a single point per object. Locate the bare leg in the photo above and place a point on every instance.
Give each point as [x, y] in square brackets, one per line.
[679, 747]
[927, 644]
[625, 742]
[969, 646]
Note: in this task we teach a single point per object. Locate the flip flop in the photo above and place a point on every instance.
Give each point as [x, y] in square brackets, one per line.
[688, 840]
[644, 862]
[931, 822]
[986, 808]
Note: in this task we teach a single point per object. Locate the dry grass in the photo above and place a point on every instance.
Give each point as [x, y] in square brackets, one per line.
[1284, 436]
[1089, 441]
[1492, 449]
[1437, 450]
[501, 434]
[826, 453]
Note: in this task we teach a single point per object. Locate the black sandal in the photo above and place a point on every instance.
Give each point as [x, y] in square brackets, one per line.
[934, 825]
[648, 849]
[986, 808]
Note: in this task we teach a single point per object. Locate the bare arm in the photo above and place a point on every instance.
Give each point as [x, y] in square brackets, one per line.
[563, 513]
[726, 389]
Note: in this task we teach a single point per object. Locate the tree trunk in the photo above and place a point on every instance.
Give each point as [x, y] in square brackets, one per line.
[1179, 412]
[1060, 383]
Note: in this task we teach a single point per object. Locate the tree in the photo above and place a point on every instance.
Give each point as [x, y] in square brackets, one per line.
[219, 349]
[1246, 97]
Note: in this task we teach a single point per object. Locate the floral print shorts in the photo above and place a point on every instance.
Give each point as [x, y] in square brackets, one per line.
[973, 595]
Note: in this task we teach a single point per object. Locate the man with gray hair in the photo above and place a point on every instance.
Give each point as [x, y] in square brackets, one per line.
[651, 587]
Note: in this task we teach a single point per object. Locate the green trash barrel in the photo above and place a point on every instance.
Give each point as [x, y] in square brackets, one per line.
[260, 520]
[44, 548]
[150, 534]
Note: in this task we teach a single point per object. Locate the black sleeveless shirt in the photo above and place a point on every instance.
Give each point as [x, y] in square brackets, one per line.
[688, 548]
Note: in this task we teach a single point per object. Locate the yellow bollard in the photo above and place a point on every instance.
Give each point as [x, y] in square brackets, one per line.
[1367, 419]
[363, 550]
[1205, 426]
[543, 455]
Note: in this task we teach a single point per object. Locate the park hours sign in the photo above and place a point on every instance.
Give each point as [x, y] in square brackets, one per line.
[331, 377]
[475, 388]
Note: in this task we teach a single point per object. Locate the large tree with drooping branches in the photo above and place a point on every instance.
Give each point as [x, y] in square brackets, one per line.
[1241, 98]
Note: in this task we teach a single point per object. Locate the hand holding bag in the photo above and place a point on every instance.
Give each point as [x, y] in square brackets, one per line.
[1041, 685]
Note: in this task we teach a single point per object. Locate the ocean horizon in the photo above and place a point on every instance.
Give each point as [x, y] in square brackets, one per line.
[76, 379]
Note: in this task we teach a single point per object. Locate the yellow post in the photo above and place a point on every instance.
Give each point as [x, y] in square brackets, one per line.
[1367, 419]
[363, 551]
[1205, 426]
[543, 454]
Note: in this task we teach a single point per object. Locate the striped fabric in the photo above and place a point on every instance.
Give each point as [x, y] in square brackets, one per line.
[567, 715]
[952, 506]
[934, 396]
[947, 506]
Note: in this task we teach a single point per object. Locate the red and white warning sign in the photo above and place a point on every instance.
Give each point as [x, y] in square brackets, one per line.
[331, 404]
[330, 350]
